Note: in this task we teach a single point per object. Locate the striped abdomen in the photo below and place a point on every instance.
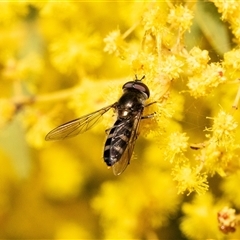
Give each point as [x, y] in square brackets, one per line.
[117, 140]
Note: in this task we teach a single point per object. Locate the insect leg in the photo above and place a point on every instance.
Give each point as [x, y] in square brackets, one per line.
[149, 104]
[148, 116]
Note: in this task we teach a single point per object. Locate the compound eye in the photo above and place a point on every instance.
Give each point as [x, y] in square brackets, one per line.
[142, 88]
[137, 85]
[128, 85]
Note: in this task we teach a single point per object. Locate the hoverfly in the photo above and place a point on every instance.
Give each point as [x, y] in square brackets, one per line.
[122, 136]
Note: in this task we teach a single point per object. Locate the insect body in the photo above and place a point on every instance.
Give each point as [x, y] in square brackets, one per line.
[123, 135]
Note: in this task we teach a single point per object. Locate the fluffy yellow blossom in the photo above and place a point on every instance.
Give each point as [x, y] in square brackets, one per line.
[159, 21]
[171, 67]
[162, 20]
[115, 44]
[180, 18]
[224, 127]
[144, 62]
[215, 159]
[232, 64]
[189, 179]
[196, 61]
[207, 81]
[229, 10]
[74, 50]
[150, 210]
[155, 18]
[220, 150]
[228, 220]
[177, 145]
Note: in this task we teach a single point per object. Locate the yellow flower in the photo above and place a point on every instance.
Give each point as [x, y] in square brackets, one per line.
[75, 50]
[155, 18]
[224, 127]
[177, 145]
[171, 66]
[189, 179]
[220, 150]
[115, 44]
[196, 61]
[230, 12]
[143, 210]
[227, 220]
[180, 18]
[209, 79]
[232, 64]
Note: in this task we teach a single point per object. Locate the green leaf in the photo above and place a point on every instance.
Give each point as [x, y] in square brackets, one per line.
[215, 31]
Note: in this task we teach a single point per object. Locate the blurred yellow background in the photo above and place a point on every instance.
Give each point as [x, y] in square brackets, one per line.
[55, 66]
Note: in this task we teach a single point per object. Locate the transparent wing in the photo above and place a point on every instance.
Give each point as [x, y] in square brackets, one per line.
[119, 167]
[77, 126]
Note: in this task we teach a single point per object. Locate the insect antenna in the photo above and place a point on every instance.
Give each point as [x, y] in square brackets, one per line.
[136, 78]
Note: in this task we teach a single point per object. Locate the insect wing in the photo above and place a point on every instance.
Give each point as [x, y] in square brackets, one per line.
[77, 126]
[119, 167]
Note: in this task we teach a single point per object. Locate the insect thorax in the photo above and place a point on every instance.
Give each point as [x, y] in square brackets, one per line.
[131, 102]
